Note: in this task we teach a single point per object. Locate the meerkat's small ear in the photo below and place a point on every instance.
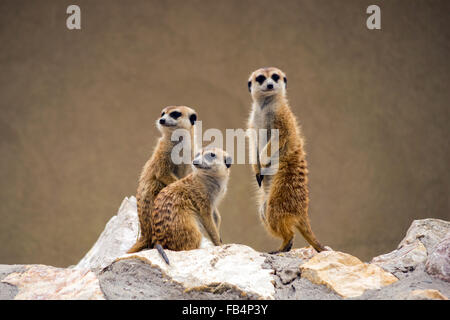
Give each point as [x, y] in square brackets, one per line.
[228, 161]
[285, 81]
[193, 118]
[250, 86]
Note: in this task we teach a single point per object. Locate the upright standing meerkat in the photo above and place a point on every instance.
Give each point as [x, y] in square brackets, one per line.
[185, 208]
[283, 197]
[160, 171]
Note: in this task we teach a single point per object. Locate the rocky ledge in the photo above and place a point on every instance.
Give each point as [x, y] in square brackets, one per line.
[418, 269]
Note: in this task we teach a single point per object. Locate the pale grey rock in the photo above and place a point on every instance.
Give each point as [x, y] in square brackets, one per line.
[412, 252]
[428, 231]
[438, 263]
[416, 280]
[230, 265]
[8, 291]
[403, 260]
[119, 235]
[134, 279]
[40, 282]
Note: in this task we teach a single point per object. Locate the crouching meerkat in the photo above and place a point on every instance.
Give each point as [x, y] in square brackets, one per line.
[160, 171]
[184, 210]
[283, 196]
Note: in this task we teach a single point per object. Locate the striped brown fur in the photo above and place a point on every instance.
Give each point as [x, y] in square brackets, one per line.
[183, 209]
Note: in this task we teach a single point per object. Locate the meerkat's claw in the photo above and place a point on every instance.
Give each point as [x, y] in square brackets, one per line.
[259, 179]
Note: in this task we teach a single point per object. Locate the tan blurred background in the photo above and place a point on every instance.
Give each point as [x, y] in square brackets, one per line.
[78, 111]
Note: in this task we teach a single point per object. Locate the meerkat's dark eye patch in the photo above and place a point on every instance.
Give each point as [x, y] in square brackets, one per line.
[275, 77]
[193, 118]
[210, 156]
[249, 86]
[175, 114]
[162, 114]
[260, 79]
[285, 81]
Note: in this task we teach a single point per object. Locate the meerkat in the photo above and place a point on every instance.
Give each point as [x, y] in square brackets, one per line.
[160, 171]
[183, 212]
[283, 196]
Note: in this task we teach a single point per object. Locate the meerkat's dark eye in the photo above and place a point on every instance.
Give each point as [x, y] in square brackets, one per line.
[285, 81]
[260, 79]
[213, 155]
[175, 114]
[275, 77]
[193, 118]
[249, 86]
[162, 114]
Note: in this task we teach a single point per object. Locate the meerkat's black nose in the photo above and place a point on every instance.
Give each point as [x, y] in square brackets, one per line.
[270, 86]
[162, 121]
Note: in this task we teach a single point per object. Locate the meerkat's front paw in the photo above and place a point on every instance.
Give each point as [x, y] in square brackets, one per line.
[259, 179]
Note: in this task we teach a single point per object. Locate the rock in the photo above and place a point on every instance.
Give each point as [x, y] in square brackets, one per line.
[403, 260]
[8, 291]
[429, 231]
[286, 265]
[209, 269]
[300, 253]
[438, 263]
[119, 235]
[137, 280]
[235, 271]
[428, 294]
[289, 285]
[412, 251]
[400, 290]
[345, 274]
[39, 282]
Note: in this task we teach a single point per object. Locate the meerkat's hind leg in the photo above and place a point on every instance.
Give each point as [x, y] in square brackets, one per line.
[282, 228]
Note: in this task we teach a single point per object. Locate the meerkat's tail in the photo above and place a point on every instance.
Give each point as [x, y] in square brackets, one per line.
[308, 234]
[162, 253]
[140, 244]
